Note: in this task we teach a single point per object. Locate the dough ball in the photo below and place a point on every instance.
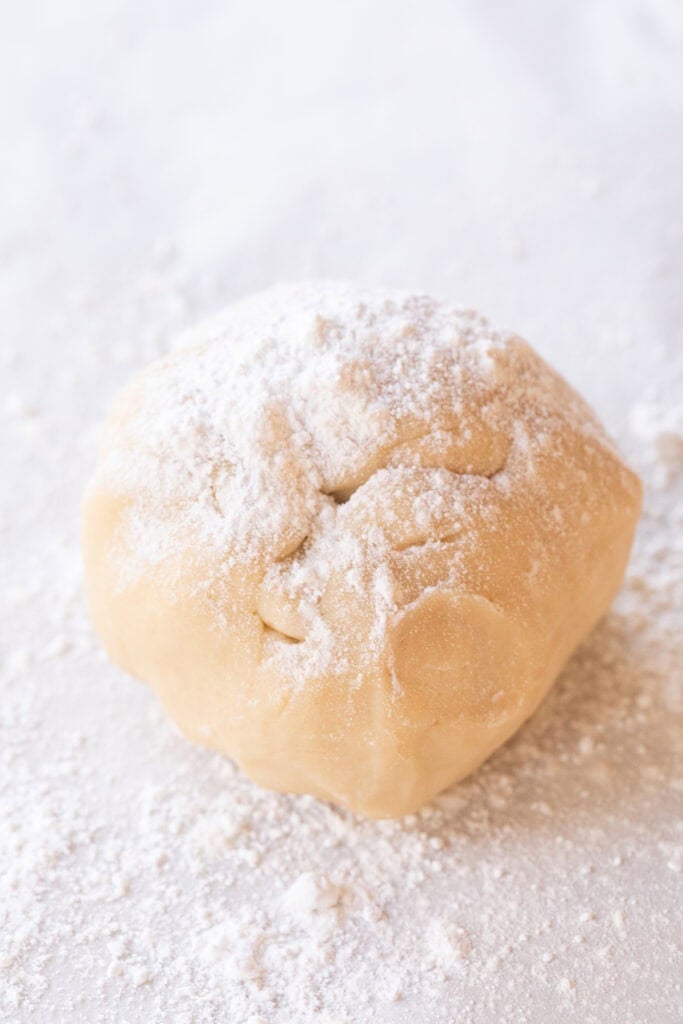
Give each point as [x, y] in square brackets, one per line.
[350, 537]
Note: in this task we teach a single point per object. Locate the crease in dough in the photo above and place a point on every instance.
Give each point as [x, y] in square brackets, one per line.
[351, 536]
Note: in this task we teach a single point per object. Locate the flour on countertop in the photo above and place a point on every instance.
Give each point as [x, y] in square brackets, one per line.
[532, 870]
[157, 164]
[660, 425]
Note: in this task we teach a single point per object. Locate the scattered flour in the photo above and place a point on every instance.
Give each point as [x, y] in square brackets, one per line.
[192, 895]
[660, 426]
[525, 157]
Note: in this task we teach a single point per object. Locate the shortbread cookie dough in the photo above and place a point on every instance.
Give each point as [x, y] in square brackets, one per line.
[350, 537]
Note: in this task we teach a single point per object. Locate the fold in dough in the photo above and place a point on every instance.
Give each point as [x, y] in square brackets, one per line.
[350, 537]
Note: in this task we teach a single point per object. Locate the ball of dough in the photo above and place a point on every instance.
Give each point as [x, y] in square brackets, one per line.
[350, 537]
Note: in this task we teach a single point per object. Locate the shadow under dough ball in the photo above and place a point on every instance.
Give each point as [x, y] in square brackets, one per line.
[351, 536]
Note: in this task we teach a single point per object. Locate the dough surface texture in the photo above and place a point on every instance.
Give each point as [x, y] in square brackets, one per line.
[351, 536]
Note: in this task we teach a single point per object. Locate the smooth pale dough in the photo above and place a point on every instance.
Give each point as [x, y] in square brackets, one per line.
[350, 537]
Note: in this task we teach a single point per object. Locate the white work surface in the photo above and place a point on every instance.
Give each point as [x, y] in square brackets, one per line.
[158, 160]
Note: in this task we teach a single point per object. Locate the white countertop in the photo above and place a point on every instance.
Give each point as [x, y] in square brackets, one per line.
[159, 160]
